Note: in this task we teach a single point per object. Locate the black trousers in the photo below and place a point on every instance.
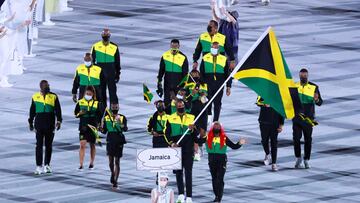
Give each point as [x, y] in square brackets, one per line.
[212, 88]
[269, 133]
[187, 164]
[48, 136]
[217, 165]
[109, 83]
[167, 97]
[301, 128]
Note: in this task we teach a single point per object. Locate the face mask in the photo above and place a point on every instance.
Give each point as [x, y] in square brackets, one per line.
[105, 38]
[87, 63]
[303, 80]
[115, 112]
[209, 28]
[160, 109]
[163, 183]
[214, 51]
[197, 79]
[88, 97]
[46, 90]
[179, 96]
[174, 51]
[216, 130]
[181, 110]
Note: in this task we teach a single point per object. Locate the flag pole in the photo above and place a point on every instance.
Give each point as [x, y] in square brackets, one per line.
[242, 61]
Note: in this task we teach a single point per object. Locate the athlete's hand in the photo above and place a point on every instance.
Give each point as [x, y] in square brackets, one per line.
[242, 141]
[31, 127]
[74, 98]
[280, 128]
[58, 125]
[195, 65]
[228, 91]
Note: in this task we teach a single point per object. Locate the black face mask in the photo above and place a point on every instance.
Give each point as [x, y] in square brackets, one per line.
[46, 90]
[209, 28]
[181, 110]
[115, 112]
[216, 130]
[105, 38]
[197, 79]
[303, 80]
[160, 109]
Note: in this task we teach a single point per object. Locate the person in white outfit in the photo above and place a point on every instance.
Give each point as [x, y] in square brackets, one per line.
[162, 194]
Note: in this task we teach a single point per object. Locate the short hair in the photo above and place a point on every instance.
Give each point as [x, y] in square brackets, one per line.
[303, 70]
[175, 41]
[180, 101]
[194, 71]
[215, 22]
[43, 81]
[215, 43]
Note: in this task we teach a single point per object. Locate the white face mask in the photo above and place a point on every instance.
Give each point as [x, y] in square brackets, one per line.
[87, 63]
[163, 183]
[179, 96]
[214, 51]
[88, 97]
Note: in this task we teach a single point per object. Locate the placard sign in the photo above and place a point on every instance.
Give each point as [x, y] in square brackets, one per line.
[158, 159]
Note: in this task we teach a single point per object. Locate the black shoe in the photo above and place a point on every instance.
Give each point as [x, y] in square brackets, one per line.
[80, 168]
[91, 166]
[216, 199]
[112, 181]
[115, 185]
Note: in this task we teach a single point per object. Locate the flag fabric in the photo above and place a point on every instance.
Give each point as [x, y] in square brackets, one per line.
[184, 81]
[265, 71]
[148, 96]
[95, 133]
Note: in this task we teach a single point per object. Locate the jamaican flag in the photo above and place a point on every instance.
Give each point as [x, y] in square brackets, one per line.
[95, 133]
[184, 81]
[264, 70]
[147, 94]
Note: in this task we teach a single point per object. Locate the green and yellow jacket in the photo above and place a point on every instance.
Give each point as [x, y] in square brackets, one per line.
[93, 115]
[306, 94]
[214, 69]
[44, 109]
[87, 76]
[107, 57]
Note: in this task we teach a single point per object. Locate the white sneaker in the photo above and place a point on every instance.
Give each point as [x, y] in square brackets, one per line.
[4, 82]
[180, 199]
[306, 164]
[298, 163]
[38, 170]
[188, 200]
[48, 23]
[197, 157]
[30, 55]
[267, 160]
[274, 167]
[47, 169]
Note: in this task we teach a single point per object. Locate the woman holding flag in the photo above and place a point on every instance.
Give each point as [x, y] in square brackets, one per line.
[89, 110]
[114, 124]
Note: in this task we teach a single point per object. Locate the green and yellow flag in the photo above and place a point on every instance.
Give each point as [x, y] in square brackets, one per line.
[264, 70]
[95, 133]
[147, 94]
[184, 81]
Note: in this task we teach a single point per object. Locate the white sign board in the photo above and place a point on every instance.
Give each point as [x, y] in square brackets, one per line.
[158, 159]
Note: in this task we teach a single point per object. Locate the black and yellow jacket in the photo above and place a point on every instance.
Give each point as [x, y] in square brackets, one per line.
[268, 115]
[115, 128]
[214, 69]
[93, 115]
[157, 123]
[176, 127]
[87, 76]
[107, 57]
[205, 41]
[173, 68]
[306, 94]
[44, 109]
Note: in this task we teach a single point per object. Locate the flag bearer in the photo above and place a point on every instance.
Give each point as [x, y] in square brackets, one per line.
[176, 126]
[46, 110]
